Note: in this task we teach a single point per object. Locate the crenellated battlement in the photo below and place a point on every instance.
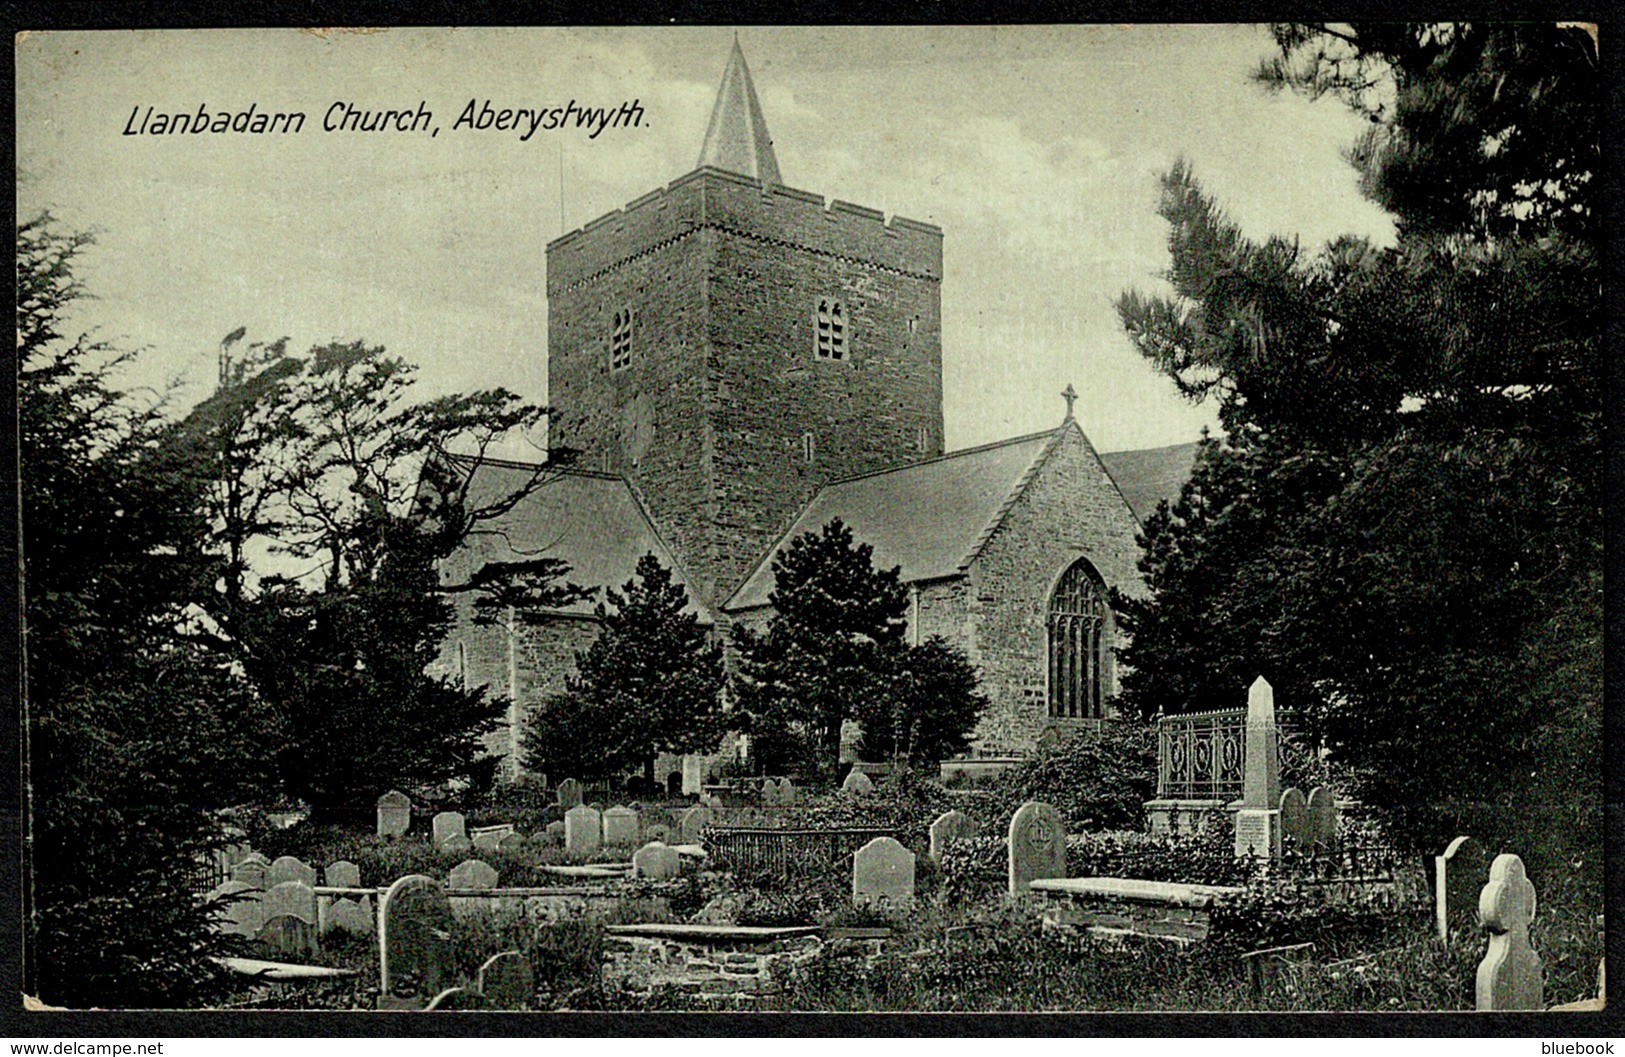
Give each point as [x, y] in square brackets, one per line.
[713, 199]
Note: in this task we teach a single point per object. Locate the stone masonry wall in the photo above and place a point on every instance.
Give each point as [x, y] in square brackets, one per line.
[1070, 509]
[723, 276]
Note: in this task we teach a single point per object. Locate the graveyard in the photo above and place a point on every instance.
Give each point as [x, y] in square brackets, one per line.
[899, 893]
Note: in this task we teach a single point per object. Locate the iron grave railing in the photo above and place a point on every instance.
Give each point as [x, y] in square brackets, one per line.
[1203, 755]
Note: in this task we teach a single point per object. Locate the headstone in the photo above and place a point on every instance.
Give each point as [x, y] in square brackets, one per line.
[569, 793]
[240, 910]
[583, 831]
[857, 784]
[659, 833]
[510, 844]
[288, 868]
[555, 832]
[472, 873]
[394, 813]
[656, 862]
[289, 935]
[343, 874]
[456, 844]
[487, 841]
[290, 897]
[1295, 836]
[456, 998]
[506, 981]
[1510, 975]
[289, 910]
[448, 824]
[251, 871]
[789, 795]
[1037, 846]
[620, 827]
[1456, 887]
[883, 874]
[348, 915]
[1258, 819]
[1322, 823]
[691, 822]
[770, 792]
[950, 825]
[414, 922]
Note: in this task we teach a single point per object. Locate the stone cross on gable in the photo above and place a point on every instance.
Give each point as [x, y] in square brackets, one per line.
[1069, 394]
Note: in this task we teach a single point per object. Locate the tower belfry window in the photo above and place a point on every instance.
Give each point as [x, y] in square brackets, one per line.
[620, 341]
[831, 333]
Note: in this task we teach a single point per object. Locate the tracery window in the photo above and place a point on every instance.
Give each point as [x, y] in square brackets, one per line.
[1077, 624]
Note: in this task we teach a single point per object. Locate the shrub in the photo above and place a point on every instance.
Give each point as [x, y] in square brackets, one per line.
[1094, 782]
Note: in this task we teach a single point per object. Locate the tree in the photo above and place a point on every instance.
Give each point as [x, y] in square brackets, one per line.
[327, 463]
[134, 738]
[650, 683]
[1410, 483]
[834, 651]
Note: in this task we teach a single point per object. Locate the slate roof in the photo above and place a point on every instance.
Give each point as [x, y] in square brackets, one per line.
[929, 518]
[592, 521]
[1150, 475]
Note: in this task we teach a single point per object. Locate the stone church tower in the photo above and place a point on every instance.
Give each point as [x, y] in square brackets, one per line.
[729, 345]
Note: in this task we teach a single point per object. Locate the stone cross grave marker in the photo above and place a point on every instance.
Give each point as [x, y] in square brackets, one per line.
[1295, 835]
[343, 874]
[288, 868]
[583, 830]
[243, 914]
[1258, 820]
[1323, 819]
[414, 922]
[394, 813]
[569, 793]
[251, 871]
[691, 822]
[858, 784]
[949, 826]
[883, 874]
[1037, 845]
[1510, 975]
[620, 827]
[289, 909]
[1457, 877]
[448, 824]
[506, 981]
[656, 862]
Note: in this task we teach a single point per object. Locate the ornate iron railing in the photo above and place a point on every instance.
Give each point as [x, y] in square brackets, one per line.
[1203, 755]
[785, 851]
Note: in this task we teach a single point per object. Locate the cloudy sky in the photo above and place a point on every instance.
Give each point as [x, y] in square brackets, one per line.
[1036, 149]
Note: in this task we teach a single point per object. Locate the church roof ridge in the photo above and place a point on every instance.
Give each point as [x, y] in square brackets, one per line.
[958, 452]
[527, 464]
[736, 139]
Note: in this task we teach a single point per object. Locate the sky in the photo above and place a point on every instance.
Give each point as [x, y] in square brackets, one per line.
[1036, 149]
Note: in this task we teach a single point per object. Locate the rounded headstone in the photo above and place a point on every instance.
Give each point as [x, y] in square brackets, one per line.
[1037, 846]
[656, 862]
[858, 784]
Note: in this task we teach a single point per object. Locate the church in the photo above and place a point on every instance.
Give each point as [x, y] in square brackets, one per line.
[740, 362]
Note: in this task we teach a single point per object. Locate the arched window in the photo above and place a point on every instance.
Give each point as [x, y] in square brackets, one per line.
[1078, 619]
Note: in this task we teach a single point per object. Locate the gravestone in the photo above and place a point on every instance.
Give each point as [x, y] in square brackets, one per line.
[569, 794]
[289, 910]
[656, 862]
[472, 873]
[414, 923]
[251, 871]
[394, 813]
[1295, 836]
[448, 824]
[506, 981]
[1457, 883]
[789, 795]
[455, 845]
[1510, 975]
[343, 874]
[949, 826]
[511, 844]
[348, 915]
[858, 784]
[288, 868]
[620, 827]
[1323, 819]
[770, 792]
[583, 831]
[1037, 846]
[243, 914]
[691, 822]
[555, 832]
[883, 874]
[659, 833]
[1258, 819]
[487, 841]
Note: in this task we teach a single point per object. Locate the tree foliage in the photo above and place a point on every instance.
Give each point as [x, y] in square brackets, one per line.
[1409, 486]
[650, 683]
[834, 651]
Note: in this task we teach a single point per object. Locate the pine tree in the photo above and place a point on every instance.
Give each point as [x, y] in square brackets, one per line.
[650, 683]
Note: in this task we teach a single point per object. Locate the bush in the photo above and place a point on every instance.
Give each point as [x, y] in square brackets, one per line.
[1094, 782]
[1206, 857]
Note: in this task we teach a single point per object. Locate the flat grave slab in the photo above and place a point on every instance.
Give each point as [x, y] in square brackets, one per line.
[715, 933]
[1130, 890]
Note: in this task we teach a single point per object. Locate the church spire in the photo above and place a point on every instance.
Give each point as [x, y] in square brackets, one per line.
[737, 139]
